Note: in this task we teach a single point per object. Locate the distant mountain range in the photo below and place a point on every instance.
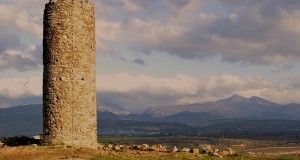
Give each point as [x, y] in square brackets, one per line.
[232, 114]
[3, 105]
[115, 109]
[234, 107]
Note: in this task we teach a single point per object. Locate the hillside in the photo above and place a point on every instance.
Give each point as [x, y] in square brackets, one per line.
[234, 107]
[235, 115]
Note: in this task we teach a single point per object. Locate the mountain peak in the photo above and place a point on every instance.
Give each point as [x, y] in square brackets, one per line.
[233, 99]
[260, 100]
[115, 109]
[256, 98]
[236, 96]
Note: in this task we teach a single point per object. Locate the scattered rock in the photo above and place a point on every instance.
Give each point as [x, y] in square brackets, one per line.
[135, 147]
[162, 148]
[158, 148]
[145, 147]
[209, 147]
[209, 151]
[187, 150]
[195, 150]
[100, 146]
[1, 144]
[216, 152]
[154, 148]
[175, 149]
[37, 137]
[117, 148]
[110, 146]
[231, 151]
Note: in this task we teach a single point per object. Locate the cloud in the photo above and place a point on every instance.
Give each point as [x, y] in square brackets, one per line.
[20, 20]
[16, 60]
[138, 92]
[282, 68]
[138, 61]
[21, 87]
[8, 40]
[141, 91]
[255, 32]
[15, 53]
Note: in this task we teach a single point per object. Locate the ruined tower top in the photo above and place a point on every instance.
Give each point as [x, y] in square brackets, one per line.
[67, 1]
[69, 78]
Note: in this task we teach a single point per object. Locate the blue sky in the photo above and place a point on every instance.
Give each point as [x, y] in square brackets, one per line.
[165, 52]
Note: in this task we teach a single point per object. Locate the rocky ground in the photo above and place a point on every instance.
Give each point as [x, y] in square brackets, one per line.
[20, 148]
[10, 150]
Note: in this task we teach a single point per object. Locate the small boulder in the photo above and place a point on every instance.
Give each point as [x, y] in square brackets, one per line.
[158, 148]
[162, 148]
[1, 144]
[135, 147]
[37, 137]
[231, 151]
[175, 149]
[117, 147]
[216, 152]
[195, 150]
[145, 147]
[110, 146]
[209, 151]
[100, 146]
[154, 148]
[185, 150]
[207, 146]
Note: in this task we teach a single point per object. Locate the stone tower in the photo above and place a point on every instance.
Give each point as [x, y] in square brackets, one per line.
[69, 85]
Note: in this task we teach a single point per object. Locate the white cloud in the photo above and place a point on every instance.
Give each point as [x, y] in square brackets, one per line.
[143, 91]
[138, 92]
[13, 59]
[258, 32]
[20, 18]
[21, 87]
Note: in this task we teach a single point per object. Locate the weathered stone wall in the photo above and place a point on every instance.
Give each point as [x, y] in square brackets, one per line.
[69, 86]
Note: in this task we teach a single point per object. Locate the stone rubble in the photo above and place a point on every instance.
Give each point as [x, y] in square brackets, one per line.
[195, 150]
[145, 147]
[198, 152]
[175, 149]
[1, 144]
[186, 150]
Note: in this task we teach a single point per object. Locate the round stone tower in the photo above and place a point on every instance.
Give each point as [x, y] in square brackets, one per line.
[69, 85]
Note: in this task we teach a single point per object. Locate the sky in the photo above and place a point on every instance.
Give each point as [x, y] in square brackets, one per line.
[165, 52]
